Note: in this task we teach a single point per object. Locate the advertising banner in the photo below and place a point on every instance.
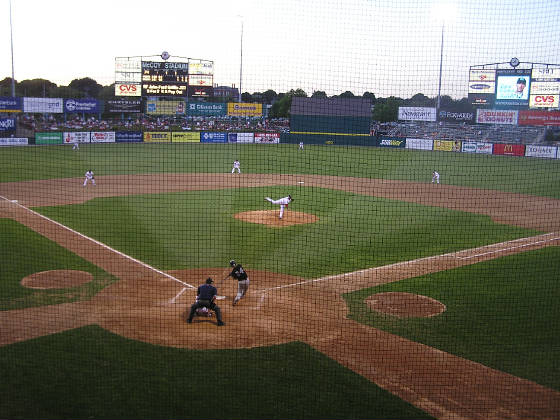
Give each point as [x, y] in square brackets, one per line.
[76, 137]
[421, 144]
[43, 105]
[13, 141]
[544, 101]
[128, 76]
[414, 113]
[188, 137]
[210, 137]
[200, 80]
[157, 137]
[447, 145]
[129, 137]
[165, 107]
[539, 118]
[102, 137]
[448, 115]
[201, 91]
[540, 151]
[128, 89]
[392, 142]
[202, 67]
[492, 116]
[7, 124]
[204, 109]
[509, 149]
[81, 105]
[123, 105]
[477, 147]
[48, 138]
[244, 110]
[267, 137]
[10, 104]
[241, 137]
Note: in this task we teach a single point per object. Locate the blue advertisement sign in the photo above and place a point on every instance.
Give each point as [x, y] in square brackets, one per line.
[81, 105]
[129, 137]
[7, 124]
[10, 104]
[210, 137]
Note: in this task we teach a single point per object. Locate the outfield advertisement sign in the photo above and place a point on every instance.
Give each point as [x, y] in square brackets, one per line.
[188, 137]
[48, 138]
[540, 151]
[447, 145]
[244, 110]
[157, 137]
[116, 106]
[129, 137]
[102, 137]
[14, 141]
[76, 137]
[165, 107]
[128, 89]
[241, 137]
[509, 149]
[81, 105]
[415, 113]
[201, 109]
[7, 124]
[43, 105]
[539, 118]
[456, 116]
[420, 144]
[477, 147]
[395, 142]
[10, 104]
[492, 116]
[210, 137]
[267, 137]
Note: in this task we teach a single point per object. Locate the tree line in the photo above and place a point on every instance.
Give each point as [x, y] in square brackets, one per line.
[384, 109]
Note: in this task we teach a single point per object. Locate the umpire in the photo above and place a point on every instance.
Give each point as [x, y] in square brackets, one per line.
[206, 295]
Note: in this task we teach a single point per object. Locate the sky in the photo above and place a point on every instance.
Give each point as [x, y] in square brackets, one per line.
[387, 47]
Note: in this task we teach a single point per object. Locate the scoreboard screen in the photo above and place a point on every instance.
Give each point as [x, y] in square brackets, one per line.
[164, 78]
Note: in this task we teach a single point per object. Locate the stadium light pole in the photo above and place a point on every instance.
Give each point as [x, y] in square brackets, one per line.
[442, 13]
[12, 48]
[440, 67]
[241, 58]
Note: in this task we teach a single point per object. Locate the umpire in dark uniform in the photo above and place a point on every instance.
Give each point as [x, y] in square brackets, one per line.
[206, 295]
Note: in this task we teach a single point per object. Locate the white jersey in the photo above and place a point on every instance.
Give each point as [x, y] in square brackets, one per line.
[282, 201]
[89, 174]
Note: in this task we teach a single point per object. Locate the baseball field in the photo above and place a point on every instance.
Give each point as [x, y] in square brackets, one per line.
[378, 295]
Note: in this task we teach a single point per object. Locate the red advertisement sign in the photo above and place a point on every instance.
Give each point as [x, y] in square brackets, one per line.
[539, 118]
[509, 149]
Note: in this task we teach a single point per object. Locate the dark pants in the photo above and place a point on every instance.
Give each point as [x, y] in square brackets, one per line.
[205, 304]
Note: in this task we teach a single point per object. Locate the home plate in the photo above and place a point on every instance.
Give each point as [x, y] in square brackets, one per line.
[301, 182]
[13, 201]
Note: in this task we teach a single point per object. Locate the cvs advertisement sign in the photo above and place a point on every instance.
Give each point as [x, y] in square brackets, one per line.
[128, 89]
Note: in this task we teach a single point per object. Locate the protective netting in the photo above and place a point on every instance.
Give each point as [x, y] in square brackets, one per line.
[399, 235]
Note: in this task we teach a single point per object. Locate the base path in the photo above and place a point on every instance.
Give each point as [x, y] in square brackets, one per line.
[149, 305]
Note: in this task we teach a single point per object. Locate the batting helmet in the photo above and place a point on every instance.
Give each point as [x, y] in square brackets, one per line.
[232, 263]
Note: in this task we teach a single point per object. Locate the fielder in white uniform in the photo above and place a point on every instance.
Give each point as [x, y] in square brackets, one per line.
[435, 177]
[300, 145]
[89, 177]
[75, 145]
[236, 165]
[283, 202]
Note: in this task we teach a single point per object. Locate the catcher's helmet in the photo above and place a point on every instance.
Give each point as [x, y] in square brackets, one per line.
[232, 263]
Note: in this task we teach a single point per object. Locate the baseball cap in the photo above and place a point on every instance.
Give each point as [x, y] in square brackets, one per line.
[209, 280]
[521, 80]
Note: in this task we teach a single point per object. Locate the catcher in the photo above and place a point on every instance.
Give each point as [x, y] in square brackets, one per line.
[205, 298]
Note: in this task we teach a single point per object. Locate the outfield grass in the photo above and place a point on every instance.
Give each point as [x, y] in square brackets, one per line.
[197, 229]
[504, 173]
[95, 374]
[24, 252]
[502, 313]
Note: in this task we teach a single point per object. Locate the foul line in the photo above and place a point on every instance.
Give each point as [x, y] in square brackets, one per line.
[169, 276]
[507, 249]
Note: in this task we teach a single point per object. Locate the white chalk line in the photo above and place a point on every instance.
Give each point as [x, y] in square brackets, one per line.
[403, 263]
[169, 276]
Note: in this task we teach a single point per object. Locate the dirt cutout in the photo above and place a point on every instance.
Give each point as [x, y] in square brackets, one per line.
[405, 305]
[56, 279]
[149, 305]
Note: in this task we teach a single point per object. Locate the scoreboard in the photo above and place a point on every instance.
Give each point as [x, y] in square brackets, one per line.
[164, 78]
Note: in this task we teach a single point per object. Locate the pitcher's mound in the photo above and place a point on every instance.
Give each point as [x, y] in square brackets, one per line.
[404, 305]
[270, 217]
[56, 279]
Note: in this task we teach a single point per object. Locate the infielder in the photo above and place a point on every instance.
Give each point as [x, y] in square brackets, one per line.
[283, 202]
[236, 165]
[435, 177]
[205, 298]
[89, 177]
[239, 274]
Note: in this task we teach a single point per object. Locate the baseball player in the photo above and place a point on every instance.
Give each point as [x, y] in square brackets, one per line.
[300, 145]
[239, 274]
[205, 298]
[435, 177]
[236, 165]
[283, 202]
[75, 145]
[89, 177]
